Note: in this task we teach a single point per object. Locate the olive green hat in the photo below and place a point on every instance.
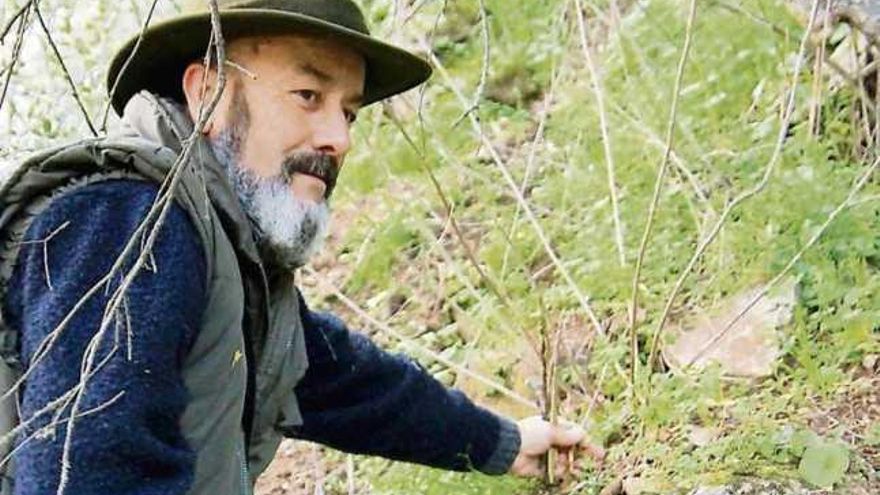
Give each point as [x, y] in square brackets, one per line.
[168, 47]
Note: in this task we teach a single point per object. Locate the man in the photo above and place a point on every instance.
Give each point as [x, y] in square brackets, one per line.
[179, 368]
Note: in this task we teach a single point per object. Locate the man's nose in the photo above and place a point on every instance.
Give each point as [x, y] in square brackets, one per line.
[332, 134]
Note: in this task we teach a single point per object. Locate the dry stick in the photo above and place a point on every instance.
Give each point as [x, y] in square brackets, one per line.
[863, 100]
[787, 112]
[469, 252]
[364, 315]
[58, 404]
[45, 243]
[658, 187]
[549, 365]
[484, 71]
[875, 67]
[49, 340]
[688, 174]
[134, 50]
[505, 172]
[21, 12]
[350, 474]
[603, 126]
[89, 357]
[818, 76]
[16, 49]
[530, 164]
[848, 202]
[64, 69]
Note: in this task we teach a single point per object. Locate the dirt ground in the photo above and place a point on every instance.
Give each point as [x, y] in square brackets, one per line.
[298, 468]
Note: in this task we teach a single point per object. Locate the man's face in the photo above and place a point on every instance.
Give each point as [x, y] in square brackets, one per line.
[282, 131]
[301, 95]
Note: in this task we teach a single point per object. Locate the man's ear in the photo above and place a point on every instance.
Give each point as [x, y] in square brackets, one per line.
[196, 89]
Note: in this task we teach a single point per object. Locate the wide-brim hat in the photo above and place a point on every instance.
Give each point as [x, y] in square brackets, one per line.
[166, 48]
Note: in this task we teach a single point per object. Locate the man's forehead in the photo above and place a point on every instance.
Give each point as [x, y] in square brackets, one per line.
[318, 56]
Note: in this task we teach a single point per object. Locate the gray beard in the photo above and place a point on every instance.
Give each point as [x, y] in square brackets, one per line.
[289, 230]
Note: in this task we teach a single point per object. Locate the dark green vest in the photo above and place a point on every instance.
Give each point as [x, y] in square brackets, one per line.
[250, 344]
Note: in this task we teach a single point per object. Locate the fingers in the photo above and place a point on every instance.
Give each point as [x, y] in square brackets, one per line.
[527, 466]
[593, 450]
[567, 435]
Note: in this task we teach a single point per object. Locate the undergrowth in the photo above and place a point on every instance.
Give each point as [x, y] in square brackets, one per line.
[413, 270]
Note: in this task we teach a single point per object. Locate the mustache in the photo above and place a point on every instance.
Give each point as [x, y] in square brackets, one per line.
[320, 165]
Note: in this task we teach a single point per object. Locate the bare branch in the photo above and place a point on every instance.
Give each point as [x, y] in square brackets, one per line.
[530, 163]
[484, 71]
[788, 111]
[469, 252]
[583, 300]
[45, 244]
[162, 206]
[134, 51]
[658, 187]
[18, 15]
[603, 127]
[23, 22]
[73, 88]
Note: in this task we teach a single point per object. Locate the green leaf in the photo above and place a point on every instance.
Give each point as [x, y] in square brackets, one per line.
[824, 464]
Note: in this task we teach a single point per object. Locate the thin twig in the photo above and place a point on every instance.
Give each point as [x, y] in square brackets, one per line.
[21, 12]
[205, 112]
[23, 21]
[484, 71]
[45, 244]
[787, 112]
[848, 202]
[67, 75]
[687, 175]
[364, 315]
[549, 367]
[815, 114]
[603, 127]
[582, 299]
[658, 187]
[134, 50]
[490, 282]
[530, 165]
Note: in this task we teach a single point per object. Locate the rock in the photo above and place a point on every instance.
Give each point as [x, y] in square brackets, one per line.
[749, 348]
[869, 362]
[634, 486]
[701, 437]
[716, 490]
[754, 486]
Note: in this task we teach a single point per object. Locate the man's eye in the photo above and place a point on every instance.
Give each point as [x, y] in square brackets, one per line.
[350, 116]
[307, 95]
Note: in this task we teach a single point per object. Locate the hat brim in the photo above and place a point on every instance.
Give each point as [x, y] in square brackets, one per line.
[169, 46]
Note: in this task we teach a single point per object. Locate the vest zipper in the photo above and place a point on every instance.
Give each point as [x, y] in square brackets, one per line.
[245, 475]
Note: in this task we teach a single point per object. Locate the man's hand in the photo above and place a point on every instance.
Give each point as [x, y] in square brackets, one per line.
[538, 436]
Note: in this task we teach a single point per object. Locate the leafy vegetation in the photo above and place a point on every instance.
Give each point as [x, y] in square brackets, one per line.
[732, 94]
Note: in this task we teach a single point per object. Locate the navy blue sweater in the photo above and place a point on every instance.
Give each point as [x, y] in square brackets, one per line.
[354, 396]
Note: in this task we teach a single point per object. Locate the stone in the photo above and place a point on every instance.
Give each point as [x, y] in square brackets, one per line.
[715, 490]
[750, 348]
[701, 436]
